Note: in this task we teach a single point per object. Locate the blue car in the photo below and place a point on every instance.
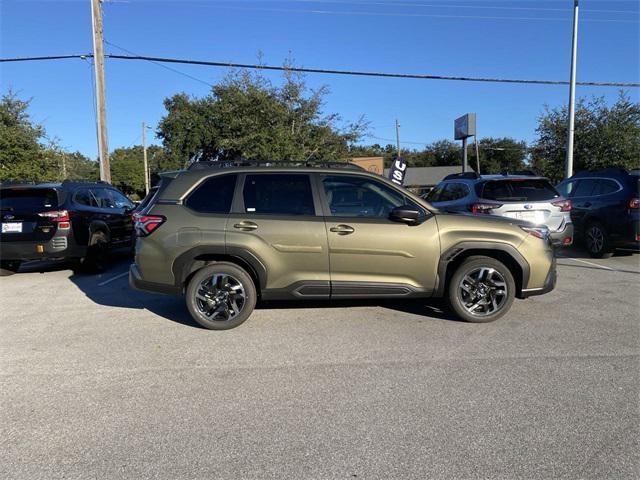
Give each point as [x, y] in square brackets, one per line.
[606, 209]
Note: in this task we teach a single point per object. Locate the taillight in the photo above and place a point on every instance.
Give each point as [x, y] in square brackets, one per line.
[634, 203]
[483, 208]
[147, 224]
[564, 205]
[61, 217]
[539, 232]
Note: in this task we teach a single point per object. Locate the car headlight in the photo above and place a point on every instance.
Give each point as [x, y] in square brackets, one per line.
[540, 232]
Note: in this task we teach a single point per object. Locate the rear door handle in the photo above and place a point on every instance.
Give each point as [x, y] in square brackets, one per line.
[342, 229]
[246, 226]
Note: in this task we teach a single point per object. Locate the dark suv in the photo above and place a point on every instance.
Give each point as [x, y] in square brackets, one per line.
[606, 209]
[68, 220]
[225, 237]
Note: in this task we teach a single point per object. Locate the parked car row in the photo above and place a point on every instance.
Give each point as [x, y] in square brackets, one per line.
[76, 221]
[226, 235]
[597, 208]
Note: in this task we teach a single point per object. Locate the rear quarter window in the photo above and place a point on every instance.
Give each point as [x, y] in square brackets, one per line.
[214, 195]
[514, 190]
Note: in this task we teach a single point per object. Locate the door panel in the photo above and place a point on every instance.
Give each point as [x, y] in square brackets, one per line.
[383, 251]
[367, 250]
[276, 218]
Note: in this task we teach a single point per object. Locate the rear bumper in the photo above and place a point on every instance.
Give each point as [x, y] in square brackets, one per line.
[549, 284]
[138, 283]
[59, 246]
[564, 237]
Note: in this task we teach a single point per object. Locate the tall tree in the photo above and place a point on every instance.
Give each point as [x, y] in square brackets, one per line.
[605, 136]
[22, 153]
[499, 155]
[248, 116]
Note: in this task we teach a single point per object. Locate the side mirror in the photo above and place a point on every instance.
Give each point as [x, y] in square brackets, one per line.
[405, 214]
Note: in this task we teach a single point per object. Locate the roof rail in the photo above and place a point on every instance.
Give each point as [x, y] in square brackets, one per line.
[80, 181]
[203, 164]
[463, 175]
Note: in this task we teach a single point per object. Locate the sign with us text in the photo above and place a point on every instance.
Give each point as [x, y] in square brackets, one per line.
[398, 171]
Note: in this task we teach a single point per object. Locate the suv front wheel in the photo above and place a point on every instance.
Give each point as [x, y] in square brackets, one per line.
[221, 296]
[481, 290]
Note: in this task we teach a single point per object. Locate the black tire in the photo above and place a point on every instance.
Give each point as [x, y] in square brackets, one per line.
[215, 313]
[596, 240]
[9, 267]
[488, 297]
[97, 256]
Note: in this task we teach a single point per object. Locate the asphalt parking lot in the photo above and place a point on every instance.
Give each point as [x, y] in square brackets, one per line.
[99, 381]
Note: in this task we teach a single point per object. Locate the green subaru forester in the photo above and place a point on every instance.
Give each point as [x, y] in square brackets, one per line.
[226, 236]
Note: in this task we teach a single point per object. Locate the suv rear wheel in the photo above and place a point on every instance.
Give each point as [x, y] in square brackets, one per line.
[221, 296]
[481, 290]
[597, 241]
[97, 253]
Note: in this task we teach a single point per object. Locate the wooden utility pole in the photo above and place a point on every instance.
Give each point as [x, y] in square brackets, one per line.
[101, 107]
[144, 156]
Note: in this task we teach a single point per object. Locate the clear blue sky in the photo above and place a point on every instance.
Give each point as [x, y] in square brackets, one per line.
[497, 38]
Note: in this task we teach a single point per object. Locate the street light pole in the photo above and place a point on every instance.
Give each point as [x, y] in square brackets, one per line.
[572, 94]
[144, 155]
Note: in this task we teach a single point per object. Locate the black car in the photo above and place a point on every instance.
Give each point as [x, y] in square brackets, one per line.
[77, 221]
[606, 209]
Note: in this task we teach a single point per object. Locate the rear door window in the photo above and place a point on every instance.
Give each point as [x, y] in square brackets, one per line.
[214, 195]
[28, 199]
[103, 198]
[278, 194]
[515, 190]
[84, 197]
[454, 191]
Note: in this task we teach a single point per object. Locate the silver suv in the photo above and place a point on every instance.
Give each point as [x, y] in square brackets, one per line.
[522, 196]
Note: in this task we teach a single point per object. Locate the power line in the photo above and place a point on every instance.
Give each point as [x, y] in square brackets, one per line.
[417, 15]
[330, 71]
[162, 65]
[443, 6]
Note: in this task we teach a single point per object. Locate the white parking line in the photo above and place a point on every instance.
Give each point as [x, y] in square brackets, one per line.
[589, 263]
[102, 284]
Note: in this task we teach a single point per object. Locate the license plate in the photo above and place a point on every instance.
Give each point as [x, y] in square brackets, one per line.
[12, 227]
[535, 217]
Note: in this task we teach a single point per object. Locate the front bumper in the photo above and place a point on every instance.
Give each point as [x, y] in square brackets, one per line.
[549, 284]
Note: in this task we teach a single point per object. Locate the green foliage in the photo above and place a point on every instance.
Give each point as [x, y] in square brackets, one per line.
[498, 155]
[246, 116]
[22, 155]
[27, 154]
[127, 167]
[605, 136]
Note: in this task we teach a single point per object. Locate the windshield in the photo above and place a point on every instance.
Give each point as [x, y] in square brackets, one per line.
[28, 199]
[526, 190]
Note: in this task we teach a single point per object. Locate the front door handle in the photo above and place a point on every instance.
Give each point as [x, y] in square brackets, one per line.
[342, 229]
[246, 226]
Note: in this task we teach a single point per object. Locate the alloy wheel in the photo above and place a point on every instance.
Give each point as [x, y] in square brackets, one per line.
[220, 297]
[595, 239]
[483, 291]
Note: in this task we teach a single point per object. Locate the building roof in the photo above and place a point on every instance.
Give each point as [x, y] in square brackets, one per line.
[426, 176]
